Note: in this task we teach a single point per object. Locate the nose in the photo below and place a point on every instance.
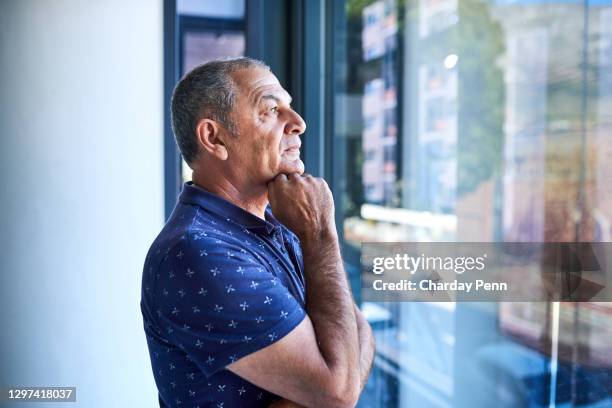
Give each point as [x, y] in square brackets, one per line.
[295, 124]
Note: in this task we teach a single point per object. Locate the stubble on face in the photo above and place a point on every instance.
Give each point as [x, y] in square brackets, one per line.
[264, 146]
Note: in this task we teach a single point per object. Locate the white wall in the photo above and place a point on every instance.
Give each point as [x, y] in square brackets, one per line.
[81, 193]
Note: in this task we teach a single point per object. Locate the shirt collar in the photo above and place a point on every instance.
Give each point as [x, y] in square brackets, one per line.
[192, 194]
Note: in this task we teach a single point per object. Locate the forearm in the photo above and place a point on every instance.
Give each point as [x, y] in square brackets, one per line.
[285, 404]
[366, 356]
[330, 306]
[366, 346]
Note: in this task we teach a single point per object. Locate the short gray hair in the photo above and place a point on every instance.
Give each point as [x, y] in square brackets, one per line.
[207, 91]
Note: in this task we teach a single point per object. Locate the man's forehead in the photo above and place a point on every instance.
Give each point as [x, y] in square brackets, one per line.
[257, 83]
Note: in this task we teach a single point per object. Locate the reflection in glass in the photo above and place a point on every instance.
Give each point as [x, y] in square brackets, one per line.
[465, 120]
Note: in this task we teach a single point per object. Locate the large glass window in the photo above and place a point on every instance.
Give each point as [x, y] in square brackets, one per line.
[485, 121]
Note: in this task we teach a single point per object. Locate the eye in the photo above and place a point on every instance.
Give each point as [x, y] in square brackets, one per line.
[274, 110]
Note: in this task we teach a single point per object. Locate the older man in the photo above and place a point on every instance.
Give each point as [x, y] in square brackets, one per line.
[246, 305]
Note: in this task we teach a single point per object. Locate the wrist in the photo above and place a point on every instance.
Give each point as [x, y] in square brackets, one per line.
[324, 233]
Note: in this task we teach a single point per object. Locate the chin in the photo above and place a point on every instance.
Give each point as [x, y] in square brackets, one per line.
[296, 166]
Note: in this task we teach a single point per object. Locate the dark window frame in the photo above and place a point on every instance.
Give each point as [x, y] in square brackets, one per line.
[190, 24]
[172, 159]
[175, 28]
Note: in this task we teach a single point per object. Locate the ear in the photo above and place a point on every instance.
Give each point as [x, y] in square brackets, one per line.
[211, 138]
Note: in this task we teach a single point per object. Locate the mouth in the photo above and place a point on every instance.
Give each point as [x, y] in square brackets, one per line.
[294, 147]
[292, 152]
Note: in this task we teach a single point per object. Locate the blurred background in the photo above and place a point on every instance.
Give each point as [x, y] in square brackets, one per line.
[432, 120]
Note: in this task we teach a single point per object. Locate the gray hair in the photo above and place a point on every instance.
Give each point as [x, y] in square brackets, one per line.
[207, 91]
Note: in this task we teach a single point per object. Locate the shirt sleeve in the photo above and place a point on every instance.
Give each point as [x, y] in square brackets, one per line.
[218, 304]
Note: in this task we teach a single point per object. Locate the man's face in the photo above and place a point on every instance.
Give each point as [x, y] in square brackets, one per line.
[269, 130]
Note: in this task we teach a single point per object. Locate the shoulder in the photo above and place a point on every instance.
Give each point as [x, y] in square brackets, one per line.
[189, 234]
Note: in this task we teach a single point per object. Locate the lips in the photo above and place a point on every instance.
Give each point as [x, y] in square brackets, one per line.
[294, 147]
[292, 152]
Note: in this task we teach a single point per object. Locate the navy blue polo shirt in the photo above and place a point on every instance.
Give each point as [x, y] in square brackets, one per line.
[218, 284]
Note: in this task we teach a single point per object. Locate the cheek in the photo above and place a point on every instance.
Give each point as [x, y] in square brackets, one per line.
[259, 155]
[273, 155]
[274, 144]
[266, 148]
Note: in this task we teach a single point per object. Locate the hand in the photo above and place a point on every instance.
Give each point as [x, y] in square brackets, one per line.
[303, 203]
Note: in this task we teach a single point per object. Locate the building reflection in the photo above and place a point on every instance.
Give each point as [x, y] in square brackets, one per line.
[477, 121]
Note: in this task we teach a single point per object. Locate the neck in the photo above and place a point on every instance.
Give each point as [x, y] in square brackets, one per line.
[249, 198]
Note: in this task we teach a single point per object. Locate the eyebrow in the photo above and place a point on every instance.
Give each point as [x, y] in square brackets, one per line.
[274, 98]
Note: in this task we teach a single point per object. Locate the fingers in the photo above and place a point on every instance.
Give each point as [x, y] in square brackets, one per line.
[285, 180]
[280, 177]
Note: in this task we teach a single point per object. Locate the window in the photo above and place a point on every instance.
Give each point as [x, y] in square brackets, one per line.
[208, 30]
[466, 120]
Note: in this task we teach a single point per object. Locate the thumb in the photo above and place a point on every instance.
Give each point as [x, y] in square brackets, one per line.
[273, 184]
[271, 192]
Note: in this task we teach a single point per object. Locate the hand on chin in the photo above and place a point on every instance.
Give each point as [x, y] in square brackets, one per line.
[291, 166]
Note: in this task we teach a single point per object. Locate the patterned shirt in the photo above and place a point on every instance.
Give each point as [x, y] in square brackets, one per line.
[218, 284]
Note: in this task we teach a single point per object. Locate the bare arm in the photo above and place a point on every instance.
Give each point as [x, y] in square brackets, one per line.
[330, 306]
[366, 347]
[285, 404]
[319, 362]
[366, 353]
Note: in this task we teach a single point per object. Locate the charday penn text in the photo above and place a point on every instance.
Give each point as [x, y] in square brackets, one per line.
[412, 264]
